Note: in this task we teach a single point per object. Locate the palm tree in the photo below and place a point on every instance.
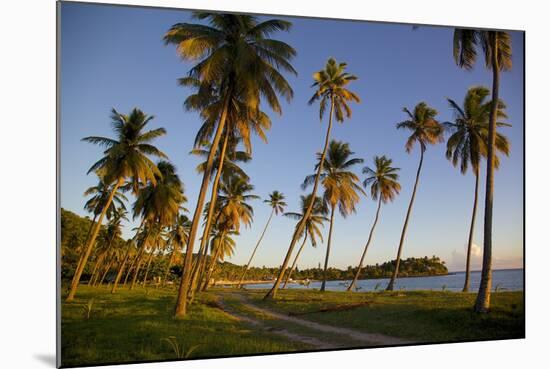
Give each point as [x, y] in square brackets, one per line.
[342, 187]
[426, 130]
[221, 245]
[232, 208]
[178, 238]
[468, 144]
[159, 204]
[126, 157]
[497, 48]
[277, 204]
[238, 60]
[312, 228]
[112, 232]
[384, 187]
[331, 83]
[95, 204]
[222, 164]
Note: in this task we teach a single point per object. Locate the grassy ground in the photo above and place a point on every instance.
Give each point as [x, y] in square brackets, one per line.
[138, 326]
[424, 316]
[135, 326]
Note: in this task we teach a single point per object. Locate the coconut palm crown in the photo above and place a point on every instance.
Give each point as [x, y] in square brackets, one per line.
[383, 179]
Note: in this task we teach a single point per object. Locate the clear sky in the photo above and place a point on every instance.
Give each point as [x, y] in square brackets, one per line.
[114, 57]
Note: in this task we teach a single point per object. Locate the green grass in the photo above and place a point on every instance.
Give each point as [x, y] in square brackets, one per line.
[423, 316]
[137, 326]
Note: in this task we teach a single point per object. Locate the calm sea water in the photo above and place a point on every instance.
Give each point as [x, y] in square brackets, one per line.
[506, 280]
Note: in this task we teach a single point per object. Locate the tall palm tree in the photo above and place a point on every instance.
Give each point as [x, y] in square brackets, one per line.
[384, 187]
[178, 238]
[125, 157]
[425, 130]
[497, 48]
[331, 83]
[95, 204]
[221, 245]
[468, 144]
[277, 204]
[232, 208]
[312, 228]
[159, 204]
[235, 57]
[112, 232]
[222, 164]
[342, 187]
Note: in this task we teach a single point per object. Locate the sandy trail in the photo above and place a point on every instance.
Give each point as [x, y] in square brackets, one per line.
[362, 339]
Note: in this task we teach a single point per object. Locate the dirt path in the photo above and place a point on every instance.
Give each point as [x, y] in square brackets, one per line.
[312, 341]
[366, 339]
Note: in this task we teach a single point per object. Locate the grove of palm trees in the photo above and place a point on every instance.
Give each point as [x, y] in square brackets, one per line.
[270, 182]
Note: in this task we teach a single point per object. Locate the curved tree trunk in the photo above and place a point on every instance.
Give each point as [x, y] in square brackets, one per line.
[211, 268]
[329, 242]
[211, 210]
[125, 260]
[91, 242]
[86, 240]
[471, 238]
[147, 269]
[95, 269]
[255, 248]
[106, 271]
[299, 229]
[295, 261]
[181, 302]
[404, 231]
[352, 285]
[483, 300]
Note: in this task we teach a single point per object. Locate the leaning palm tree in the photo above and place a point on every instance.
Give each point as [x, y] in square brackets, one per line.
[159, 204]
[222, 164]
[384, 187]
[331, 83]
[467, 145]
[342, 187]
[126, 157]
[426, 130]
[277, 204]
[178, 238]
[233, 207]
[221, 245]
[95, 204]
[497, 48]
[312, 229]
[237, 59]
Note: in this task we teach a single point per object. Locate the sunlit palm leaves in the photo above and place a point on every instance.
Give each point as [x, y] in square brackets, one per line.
[383, 179]
[469, 130]
[331, 83]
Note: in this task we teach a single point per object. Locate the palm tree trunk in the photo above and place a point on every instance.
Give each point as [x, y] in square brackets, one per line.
[471, 238]
[86, 240]
[255, 248]
[125, 260]
[211, 210]
[181, 302]
[211, 268]
[295, 261]
[483, 300]
[91, 242]
[147, 269]
[329, 242]
[404, 231]
[299, 229]
[140, 258]
[366, 246]
[107, 269]
[95, 268]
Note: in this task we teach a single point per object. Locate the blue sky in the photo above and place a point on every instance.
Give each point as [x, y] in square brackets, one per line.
[114, 57]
